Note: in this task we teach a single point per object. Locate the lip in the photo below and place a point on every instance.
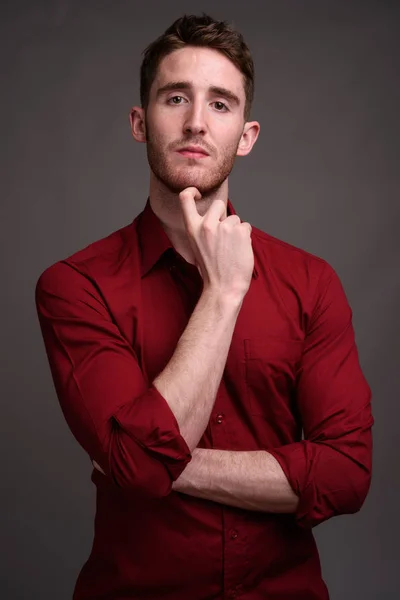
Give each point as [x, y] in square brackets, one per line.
[193, 152]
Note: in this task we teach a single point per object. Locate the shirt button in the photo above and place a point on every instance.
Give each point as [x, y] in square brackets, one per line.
[220, 418]
[234, 534]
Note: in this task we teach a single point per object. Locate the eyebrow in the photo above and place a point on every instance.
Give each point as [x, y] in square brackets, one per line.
[186, 85]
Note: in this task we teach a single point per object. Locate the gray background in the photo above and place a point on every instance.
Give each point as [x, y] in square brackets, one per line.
[323, 175]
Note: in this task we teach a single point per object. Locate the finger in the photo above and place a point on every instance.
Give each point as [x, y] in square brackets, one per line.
[232, 220]
[216, 211]
[188, 205]
[247, 225]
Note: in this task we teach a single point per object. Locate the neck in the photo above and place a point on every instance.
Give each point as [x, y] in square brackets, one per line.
[166, 206]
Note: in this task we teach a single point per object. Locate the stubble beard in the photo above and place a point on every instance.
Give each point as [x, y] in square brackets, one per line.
[176, 179]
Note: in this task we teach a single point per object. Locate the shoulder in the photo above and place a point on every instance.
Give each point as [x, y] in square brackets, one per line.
[91, 264]
[301, 277]
[287, 259]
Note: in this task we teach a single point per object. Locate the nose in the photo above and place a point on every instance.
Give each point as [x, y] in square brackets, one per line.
[195, 122]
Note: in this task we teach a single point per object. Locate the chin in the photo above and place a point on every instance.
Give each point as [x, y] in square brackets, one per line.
[202, 181]
[176, 179]
[204, 187]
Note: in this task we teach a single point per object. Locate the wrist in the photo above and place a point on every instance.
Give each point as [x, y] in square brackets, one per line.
[225, 303]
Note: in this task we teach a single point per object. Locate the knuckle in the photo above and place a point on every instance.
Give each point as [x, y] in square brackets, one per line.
[207, 226]
[231, 220]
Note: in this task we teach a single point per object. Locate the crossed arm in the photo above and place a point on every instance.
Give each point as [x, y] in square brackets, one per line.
[250, 480]
[129, 429]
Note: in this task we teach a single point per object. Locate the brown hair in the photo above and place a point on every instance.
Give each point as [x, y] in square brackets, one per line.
[191, 30]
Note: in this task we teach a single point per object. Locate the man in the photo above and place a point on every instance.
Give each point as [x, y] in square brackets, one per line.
[208, 369]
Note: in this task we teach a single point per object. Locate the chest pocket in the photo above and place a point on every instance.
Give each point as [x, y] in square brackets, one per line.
[271, 366]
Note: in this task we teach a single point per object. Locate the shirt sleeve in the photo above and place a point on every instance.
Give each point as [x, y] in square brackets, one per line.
[330, 469]
[122, 422]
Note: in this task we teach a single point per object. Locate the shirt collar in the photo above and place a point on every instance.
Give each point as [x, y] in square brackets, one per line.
[153, 240]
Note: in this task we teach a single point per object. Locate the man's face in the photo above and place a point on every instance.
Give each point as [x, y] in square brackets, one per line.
[196, 99]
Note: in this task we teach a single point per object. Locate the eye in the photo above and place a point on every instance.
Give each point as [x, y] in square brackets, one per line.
[220, 106]
[178, 98]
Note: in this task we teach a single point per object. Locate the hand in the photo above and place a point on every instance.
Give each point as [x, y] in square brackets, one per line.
[221, 246]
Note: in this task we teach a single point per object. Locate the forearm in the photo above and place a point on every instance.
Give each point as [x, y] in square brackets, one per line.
[251, 480]
[190, 381]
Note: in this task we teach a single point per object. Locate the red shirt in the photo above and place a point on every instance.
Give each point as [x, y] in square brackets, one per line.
[111, 316]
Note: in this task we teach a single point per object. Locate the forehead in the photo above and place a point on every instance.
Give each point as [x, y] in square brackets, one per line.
[204, 67]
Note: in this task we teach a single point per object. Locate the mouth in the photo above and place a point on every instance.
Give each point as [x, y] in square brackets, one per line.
[193, 152]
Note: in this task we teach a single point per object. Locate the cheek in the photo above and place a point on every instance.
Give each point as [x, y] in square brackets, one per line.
[228, 144]
[164, 129]
[225, 132]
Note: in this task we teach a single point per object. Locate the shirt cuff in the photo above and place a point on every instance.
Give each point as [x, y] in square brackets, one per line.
[150, 421]
[295, 460]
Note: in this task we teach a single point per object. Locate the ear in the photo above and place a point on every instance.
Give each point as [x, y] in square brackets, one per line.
[137, 121]
[249, 137]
